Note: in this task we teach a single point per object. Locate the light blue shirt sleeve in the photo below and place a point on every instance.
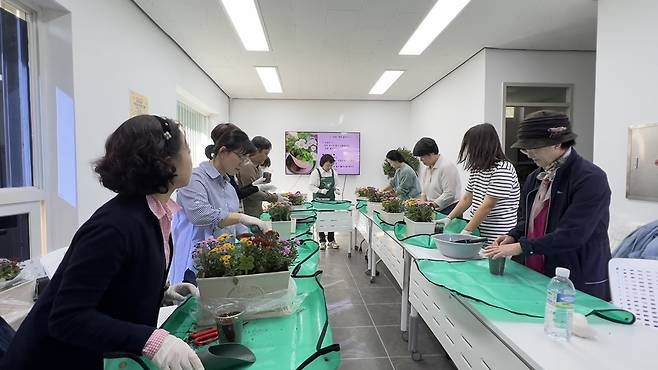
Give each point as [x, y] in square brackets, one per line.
[195, 200]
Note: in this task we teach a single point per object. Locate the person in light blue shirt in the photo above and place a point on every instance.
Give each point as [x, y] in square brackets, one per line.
[405, 181]
[210, 203]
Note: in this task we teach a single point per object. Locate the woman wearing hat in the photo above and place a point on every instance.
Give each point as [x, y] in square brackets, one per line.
[564, 212]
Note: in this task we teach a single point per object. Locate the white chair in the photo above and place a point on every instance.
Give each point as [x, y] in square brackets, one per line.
[634, 285]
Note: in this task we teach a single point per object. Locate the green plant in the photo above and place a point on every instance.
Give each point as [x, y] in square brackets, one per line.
[252, 254]
[418, 212]
[408, 156]
[375, 196]
[8, 269]
[279, 212]
[365, 191]
[296, 199]
[393, 205]
[302, 145]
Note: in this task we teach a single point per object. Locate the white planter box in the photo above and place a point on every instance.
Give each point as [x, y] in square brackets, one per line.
[374, 206]
[283, 228]
[358, 199]
[391, 218]
[264, 295]
[298, 208]
[416, 228]
[243, 286]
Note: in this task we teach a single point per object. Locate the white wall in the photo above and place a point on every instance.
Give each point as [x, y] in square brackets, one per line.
[117, 49]
[383, 126]
[548, 67]
[449, 108]
[626, 80]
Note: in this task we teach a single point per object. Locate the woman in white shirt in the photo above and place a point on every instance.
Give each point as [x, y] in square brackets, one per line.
[323, 186]
[440, 180]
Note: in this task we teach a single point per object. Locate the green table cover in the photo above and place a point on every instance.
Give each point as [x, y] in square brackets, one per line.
[520, 291]
[302, 340]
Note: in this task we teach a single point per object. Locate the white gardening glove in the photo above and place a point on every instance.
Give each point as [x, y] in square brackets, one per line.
[581, 328]
[466, 232]
[323, 191]
[176, 293]
[250, 220]
[174, 354]
[443, 221]
[262, 180]
[337, 191]
[281, 199]
[265, 187]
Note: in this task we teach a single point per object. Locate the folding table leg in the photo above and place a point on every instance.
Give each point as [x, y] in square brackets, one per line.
[413, 335]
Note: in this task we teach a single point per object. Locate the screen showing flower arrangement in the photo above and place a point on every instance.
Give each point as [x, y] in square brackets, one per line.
[304, 150]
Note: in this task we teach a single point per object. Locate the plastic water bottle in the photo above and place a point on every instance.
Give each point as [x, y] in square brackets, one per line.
[560, 299]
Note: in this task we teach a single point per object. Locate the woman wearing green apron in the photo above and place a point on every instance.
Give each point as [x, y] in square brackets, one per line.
[323, 186]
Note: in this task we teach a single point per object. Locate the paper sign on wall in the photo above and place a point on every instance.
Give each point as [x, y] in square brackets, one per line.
[139, 104]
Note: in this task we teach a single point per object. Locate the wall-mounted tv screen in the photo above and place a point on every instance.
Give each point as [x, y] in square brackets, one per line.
[304, 150]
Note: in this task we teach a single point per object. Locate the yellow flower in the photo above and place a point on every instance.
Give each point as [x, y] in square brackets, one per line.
[244, 240]
[250, 243]
[221, 239]
[216, 250]
[226, 259]
[228, 246]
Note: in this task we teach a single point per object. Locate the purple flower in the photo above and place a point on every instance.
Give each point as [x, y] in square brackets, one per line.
[286, 250]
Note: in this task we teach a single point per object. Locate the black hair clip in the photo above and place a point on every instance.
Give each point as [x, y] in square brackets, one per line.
[165, 127]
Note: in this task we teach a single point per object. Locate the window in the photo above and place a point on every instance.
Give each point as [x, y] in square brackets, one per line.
[197, 131]
[15, 124]
[15, 237]
[21, 198]
[522, 100]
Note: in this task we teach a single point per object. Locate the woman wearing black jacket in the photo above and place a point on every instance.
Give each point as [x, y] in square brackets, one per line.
[564, 209]
[106, 293]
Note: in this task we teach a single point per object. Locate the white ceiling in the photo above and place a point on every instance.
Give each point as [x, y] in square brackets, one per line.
[337, 49]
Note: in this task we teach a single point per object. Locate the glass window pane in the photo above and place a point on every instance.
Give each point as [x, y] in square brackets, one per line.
[15, 129]
[15, 237]
[536, 94]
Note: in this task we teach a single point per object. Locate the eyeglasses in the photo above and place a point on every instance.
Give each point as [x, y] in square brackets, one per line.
[243, 157]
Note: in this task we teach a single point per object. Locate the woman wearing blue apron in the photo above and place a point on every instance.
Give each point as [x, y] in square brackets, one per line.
[210, 203]
[323, 186]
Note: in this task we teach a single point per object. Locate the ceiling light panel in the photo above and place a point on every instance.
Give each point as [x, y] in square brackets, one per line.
[439, 17]
[385, 81]
[269, 76]
[247, 23]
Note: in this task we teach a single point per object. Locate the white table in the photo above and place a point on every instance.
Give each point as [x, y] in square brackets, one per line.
[336, 221]
[475, 341]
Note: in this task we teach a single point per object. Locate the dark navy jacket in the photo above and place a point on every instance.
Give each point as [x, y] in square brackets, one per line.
[577, 228]
[103, 298]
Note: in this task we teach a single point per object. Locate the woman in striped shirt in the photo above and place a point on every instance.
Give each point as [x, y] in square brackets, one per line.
[493, 187]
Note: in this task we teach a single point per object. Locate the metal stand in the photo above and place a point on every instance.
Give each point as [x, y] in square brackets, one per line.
[413, 335]
[404, 314]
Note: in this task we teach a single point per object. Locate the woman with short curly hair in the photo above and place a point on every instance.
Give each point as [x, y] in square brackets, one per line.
[106, 294]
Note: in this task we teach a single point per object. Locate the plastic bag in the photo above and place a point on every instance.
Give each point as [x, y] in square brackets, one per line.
[273, 304]
[30, 270]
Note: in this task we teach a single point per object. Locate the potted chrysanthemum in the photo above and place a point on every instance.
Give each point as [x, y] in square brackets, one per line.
[418, 217]
[280, 216]
[392, 211]
[252, 265]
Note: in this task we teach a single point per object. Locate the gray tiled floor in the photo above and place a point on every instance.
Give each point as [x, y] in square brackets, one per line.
[365, 317]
